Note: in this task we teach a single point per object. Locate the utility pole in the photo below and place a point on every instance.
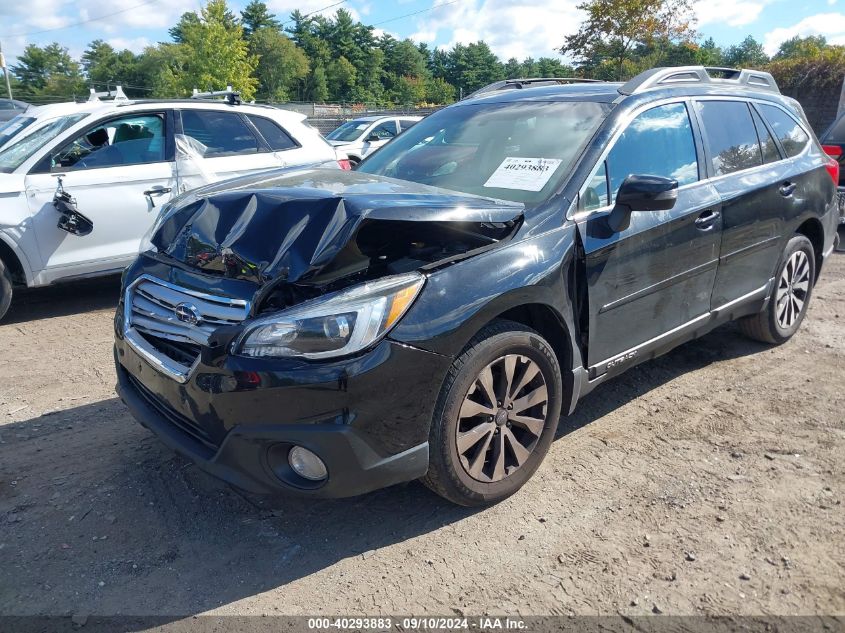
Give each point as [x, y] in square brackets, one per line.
[5, 71]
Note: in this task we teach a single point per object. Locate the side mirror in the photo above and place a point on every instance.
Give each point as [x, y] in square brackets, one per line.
[642, 193]
[372, 138]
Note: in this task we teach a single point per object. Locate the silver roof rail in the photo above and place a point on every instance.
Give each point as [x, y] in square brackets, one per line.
[231, 96]
[118, 96]
[702, 75]
[507, 84]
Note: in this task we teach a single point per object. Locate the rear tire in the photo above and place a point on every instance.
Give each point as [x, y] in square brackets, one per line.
[790, 297]
[495, 417]
[5, 289]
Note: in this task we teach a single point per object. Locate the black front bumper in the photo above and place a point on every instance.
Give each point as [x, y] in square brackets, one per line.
[367, 418]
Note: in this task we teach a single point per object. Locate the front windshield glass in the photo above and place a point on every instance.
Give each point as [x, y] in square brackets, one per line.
[20, 150]
[13, 127]
[349, 131]
[512, 151]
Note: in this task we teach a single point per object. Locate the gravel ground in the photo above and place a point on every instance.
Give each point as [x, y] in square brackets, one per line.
[709, 481]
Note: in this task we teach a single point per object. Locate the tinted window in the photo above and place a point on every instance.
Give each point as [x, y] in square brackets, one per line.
[731, 135]
[836, 132]
[470, 148]
[275, 136]
[349, 131]
[222, 133]
[129, 140]
[767, 143]
[405, 124]
[792, 138]
[659, 142]
[384, 131]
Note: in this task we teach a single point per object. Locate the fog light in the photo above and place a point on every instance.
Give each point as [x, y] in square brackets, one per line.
[307, 464]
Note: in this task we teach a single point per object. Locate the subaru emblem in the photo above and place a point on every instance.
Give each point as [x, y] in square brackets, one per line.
[187, 313]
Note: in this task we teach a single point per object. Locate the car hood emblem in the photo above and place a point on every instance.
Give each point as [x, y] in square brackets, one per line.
[187, 313]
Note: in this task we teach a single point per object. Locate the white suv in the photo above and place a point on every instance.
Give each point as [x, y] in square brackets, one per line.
[361, 137]
[117, 165]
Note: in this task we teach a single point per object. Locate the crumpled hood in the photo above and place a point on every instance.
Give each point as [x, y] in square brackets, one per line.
[319, 225]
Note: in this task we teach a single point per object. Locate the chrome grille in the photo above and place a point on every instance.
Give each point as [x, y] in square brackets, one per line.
[154, 328]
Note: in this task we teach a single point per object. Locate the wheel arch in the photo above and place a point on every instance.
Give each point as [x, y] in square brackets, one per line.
[14, 262]
[813, 230]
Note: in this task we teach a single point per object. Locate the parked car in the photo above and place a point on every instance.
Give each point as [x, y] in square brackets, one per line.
[433, 313]
[10, 108]
[361, 137]
[78, 192]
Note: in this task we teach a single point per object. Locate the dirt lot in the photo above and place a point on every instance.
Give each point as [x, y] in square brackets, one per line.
[709, 481]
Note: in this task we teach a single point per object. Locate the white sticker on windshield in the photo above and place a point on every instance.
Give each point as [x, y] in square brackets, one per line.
[527, 174]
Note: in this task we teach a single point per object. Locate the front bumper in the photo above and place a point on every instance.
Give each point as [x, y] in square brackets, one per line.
[367, 418]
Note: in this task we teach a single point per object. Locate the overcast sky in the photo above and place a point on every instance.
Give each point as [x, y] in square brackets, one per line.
[513, 28]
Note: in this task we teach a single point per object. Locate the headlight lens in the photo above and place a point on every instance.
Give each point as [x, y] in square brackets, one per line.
[336, 325]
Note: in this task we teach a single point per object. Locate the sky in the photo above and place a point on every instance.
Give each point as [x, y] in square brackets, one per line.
[513, 28]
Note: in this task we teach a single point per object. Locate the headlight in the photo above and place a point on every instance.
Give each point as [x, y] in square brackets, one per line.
[335, 325]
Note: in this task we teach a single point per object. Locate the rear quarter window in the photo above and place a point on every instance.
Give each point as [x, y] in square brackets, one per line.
[792, 137]
[277, 138]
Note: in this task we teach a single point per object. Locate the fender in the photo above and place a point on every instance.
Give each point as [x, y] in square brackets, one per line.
[22, 258]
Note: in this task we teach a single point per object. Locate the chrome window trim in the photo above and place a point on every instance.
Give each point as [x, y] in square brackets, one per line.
[170, 368]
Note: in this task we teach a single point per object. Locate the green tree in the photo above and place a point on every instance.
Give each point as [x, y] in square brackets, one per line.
[177, 31]
[48, 71]
[104, 66]
[614, 28]
[811, 46]
[747, 54]
[439, 91]
[709, 54]
[215, 53]
[341, 76]
[257, 16]
[473, 66]
[282, 65]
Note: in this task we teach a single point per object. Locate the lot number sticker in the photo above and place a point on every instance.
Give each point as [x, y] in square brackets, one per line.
[527, 174]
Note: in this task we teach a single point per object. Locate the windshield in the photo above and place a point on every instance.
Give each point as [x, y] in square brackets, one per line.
[513, 151]
[14, 155]
[14, 126]
[349, 131]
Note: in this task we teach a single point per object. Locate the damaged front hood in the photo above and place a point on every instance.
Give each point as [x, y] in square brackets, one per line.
[315, 227]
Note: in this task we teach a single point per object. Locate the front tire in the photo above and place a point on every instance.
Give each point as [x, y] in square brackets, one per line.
[496, 415]
[791, 296]
[5, 289]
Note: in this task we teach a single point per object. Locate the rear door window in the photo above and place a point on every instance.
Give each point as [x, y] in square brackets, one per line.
[658, 142]
[222, 133]
[275, 136]
[731, 136]
[792, 138]
[384, 131]
[404, 124]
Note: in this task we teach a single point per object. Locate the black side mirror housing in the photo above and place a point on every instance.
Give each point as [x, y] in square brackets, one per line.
[372, 138]
[642, 193]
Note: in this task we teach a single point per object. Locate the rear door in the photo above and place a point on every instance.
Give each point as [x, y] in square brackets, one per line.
[754, 196]
[650, 280]
[217, 145]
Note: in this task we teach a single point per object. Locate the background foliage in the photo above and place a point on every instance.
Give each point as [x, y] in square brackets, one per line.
[337, 59]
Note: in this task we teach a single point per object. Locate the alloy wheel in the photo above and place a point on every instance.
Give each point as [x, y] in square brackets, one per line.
[793, 288]
[501, 418]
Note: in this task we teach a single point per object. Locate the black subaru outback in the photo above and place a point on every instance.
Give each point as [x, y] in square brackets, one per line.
[432, 314]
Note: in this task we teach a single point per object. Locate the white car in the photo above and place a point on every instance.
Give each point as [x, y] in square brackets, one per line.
[78, 193]
[361, 137]
[38, 116]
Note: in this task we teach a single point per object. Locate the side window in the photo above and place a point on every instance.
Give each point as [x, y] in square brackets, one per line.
[792, 138]
[129, 140]
[275, 136]
[730, 135]
[404, 124]
[222, 133]
[595, 194]
[659, 142]
[767, 143]
[385, 131]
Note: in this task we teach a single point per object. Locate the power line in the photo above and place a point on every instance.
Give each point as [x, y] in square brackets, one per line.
[408, 15]
[317, 11]
[69, 26]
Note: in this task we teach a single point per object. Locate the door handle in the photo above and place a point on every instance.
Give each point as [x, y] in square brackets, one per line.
[705, 221]
[156, 191]
[787, 188]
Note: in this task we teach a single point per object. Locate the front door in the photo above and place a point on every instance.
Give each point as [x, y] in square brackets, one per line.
[653, 278]
[380, 135]
[119, 174]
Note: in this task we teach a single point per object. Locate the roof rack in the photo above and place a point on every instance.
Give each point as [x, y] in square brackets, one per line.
[231, 97]
[118, 96]
[508, 84]
[702, 75]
